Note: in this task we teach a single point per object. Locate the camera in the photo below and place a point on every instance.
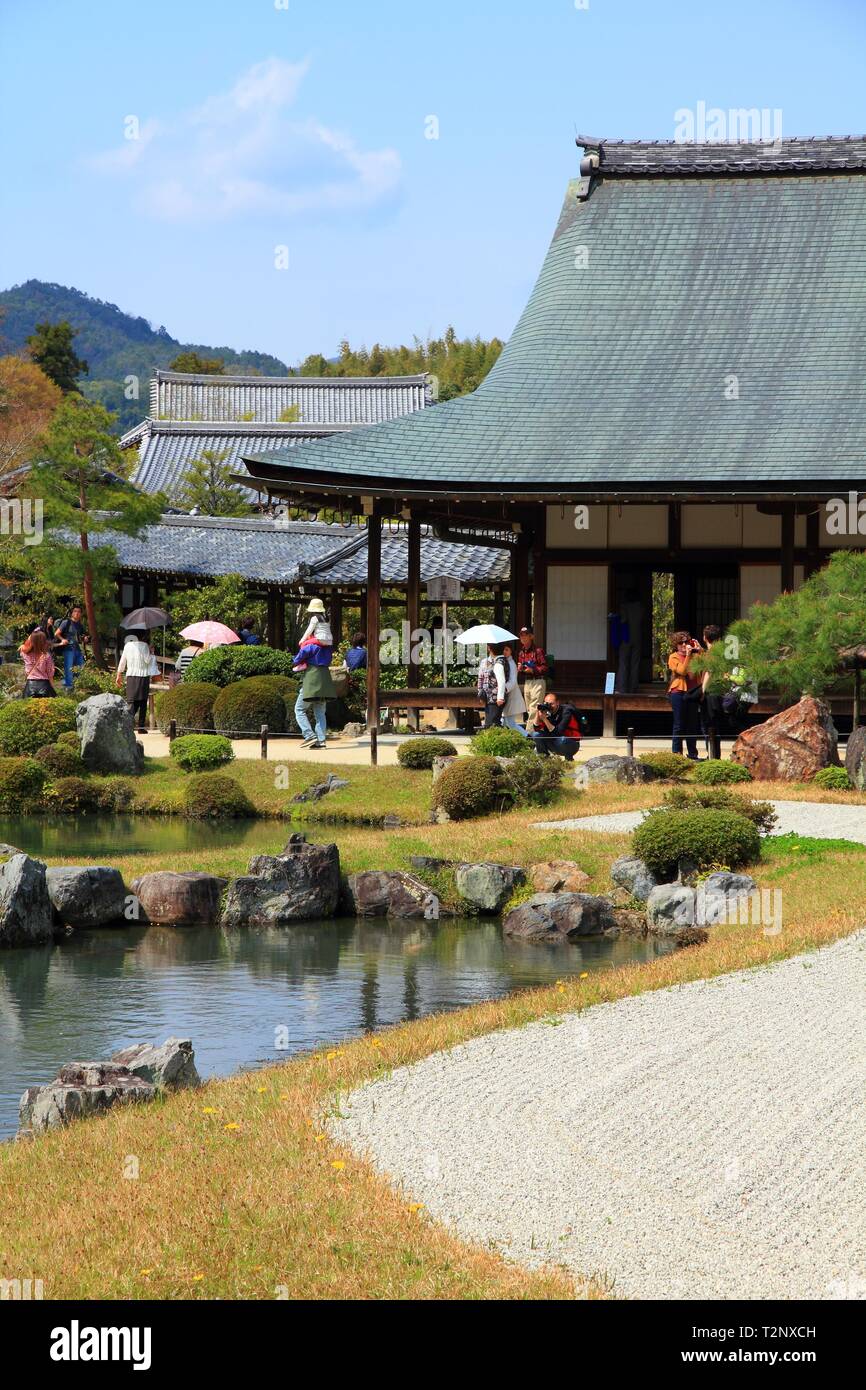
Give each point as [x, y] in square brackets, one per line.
[545, 708]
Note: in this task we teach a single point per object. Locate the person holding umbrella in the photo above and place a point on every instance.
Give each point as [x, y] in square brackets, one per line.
[497, 674]
[134, 664]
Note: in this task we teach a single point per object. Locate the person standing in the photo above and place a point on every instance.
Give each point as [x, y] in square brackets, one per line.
[135, 663]
[712, 714]
[46, 625]
[514, 709]
[356, 656]
[71, 641]
[38, 666]
[491, 685]
[317, 688]
[247, 633]
[532, 670]
[186, 655]
[631, 639]
[684, 692]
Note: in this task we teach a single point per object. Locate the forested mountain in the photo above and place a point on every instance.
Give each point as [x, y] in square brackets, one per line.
[115, 345]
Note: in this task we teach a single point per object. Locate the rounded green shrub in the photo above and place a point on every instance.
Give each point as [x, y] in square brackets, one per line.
[721, 799]
[92, 681]
[833, 779]
[210, 794]
[22, 784]
[243, 708]
[225, 665]
[68, 740]
[73, 795]
[717, 772]
[419, 753]
[705, 838]
[668, 767]
[469, 787]
[190, 704]
[202, 752]
[500, 742]
[59, 760]
[115, 793]
[28, 725]
[532, 781]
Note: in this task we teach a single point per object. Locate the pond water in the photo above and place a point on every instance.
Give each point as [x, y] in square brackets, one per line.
[92, 836]
[232, 992]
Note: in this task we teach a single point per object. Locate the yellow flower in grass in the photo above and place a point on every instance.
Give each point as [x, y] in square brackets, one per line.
[144, 1272]
[196, 1278]
[232, 1125]
[209, 1110]
[319, 1138]
[338, 1164]
[337, 1052]
[260, 1090]
[416, 1206]
[584, 976]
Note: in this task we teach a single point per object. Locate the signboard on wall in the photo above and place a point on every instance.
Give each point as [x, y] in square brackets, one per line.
[444, 589]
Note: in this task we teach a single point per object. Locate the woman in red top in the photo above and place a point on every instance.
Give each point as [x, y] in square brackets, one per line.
[38, 666]
[684, 692]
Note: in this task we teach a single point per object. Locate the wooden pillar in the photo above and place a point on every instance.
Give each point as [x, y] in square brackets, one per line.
[499, 608]
[272, 617]
[413, 595]
[539, 599]
[336, 607]
[789, 518]
[280, 620]
[374, 586]
[520, 584]
[813, 544]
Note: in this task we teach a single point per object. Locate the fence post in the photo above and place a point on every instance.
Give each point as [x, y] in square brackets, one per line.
[374, 747]
[715, 745]
[629, 735]
[172, 730]
[265, 741]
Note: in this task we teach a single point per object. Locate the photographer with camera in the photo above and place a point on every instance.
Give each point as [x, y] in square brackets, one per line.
[556, 728]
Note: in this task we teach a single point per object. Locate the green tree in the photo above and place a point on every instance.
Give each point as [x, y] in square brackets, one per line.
[207, 486]
[793, 644]
[51, 349]
[199, 366]
[77, 480]
[459, 365]
[225, 600]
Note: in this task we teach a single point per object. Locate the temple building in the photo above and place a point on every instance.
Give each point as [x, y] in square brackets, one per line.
[684, 397]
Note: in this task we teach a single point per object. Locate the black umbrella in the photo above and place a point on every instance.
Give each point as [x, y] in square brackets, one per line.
[147, 618]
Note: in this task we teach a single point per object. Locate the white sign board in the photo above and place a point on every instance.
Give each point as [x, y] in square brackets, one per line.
[444, 589]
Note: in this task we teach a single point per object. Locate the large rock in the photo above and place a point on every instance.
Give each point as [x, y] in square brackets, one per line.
[669, 907]
[332, 783]
[80, 1089]
[720, 897]
[168, 1066]
[87, 895]
[558, 876]
[26, 916]
[390, 893]
[298, 885]
[557, 917]
[106, 735]
[855, 757]
[633, 875]
[179, 899]
[792, 746]
[487, 886]
[441, 765]
[612, 767]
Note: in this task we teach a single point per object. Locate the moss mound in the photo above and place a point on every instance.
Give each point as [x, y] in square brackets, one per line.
[419, 753]
[211, 795]
[706, 838]
[28, 725]
[190, 704]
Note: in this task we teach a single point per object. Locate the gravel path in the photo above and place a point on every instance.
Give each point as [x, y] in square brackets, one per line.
[704, 1141]
[821, 818]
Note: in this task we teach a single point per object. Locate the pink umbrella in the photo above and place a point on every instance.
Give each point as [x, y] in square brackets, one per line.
[210, 634]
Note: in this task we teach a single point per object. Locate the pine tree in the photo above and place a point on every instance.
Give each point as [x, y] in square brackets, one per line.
[192, 362]
[51, 349]
[208, 488]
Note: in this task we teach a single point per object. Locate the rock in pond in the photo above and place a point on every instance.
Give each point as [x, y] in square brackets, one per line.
[298, 885]
[390, 893]
[106, 735]
[792, 746]
[558, 876]
[855, 757]
[171, 899]
[669, 907]
[557, 917]
[487, 887]
[168, 1066]
[612, 767]
[87, 895]
[633, 875]
[332, 783]
[80, 1089]
[26, 915]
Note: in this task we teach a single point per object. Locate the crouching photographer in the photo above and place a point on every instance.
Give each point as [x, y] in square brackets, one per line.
[556, 728]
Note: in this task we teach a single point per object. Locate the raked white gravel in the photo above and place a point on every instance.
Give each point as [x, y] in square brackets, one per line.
[825, 819]
[704, 1141]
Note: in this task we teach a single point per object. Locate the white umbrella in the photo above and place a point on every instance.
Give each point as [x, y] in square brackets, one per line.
[486, 632]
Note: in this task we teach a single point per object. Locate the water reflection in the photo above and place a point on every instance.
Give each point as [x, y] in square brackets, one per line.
[232, 991]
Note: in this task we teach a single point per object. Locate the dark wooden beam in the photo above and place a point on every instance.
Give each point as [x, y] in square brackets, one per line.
[374, 587]
[789, 519]
[413, 592]
[520, 584]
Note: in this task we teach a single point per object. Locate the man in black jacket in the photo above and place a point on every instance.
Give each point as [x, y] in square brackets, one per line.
[556, 728]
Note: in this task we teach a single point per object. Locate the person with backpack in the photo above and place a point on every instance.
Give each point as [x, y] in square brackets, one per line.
[556, 728]
[496, 683]
[71, 642]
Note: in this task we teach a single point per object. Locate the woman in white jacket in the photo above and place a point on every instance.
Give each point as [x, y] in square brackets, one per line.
[514, 709]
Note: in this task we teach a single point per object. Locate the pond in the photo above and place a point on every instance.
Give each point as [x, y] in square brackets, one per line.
[93, 836]
[252, 997]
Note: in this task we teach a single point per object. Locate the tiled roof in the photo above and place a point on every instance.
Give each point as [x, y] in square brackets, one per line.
[790, 154]
[263, 399]
[166, 449]
[293, 552]
[682, 332]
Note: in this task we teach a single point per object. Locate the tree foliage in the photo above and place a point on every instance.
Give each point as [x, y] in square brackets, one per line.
[207, 485]
[459, 365]
[192, 361]
[225, 600]
[793, 644]
[51, 349]
[27, 399]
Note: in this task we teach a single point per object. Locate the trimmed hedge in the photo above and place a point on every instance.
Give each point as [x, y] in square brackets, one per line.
[22, 784]
[720, 799]
[716, 772]
[500, 742]
[532, 781]
[224, 665]
[244, 707]
[74, 794]
[210, 794]
[28, 725]
[834, 779]
[59, 760]
[706, 838]
[418, 753]
[92, 681]
[115, 794]
[669, 767]
[470, 787]
[201, 752]
[190, 704]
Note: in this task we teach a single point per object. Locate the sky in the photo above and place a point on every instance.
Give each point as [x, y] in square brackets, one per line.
[282, 174]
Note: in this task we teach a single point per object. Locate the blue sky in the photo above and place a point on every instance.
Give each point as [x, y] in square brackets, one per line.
[303, 123]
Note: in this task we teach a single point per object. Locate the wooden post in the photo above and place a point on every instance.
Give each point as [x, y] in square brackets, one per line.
[608, 716]
[789, 519]
[335, 604]
[374, 747]
[413, 610]
[539, 599]
[629, 742]
[374, 585]
[856, 720]
[172, 730]
[520, 584]
[280, 614]
[265, 742]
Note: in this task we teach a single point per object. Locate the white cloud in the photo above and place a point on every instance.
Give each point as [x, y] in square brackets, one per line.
[241, 153]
